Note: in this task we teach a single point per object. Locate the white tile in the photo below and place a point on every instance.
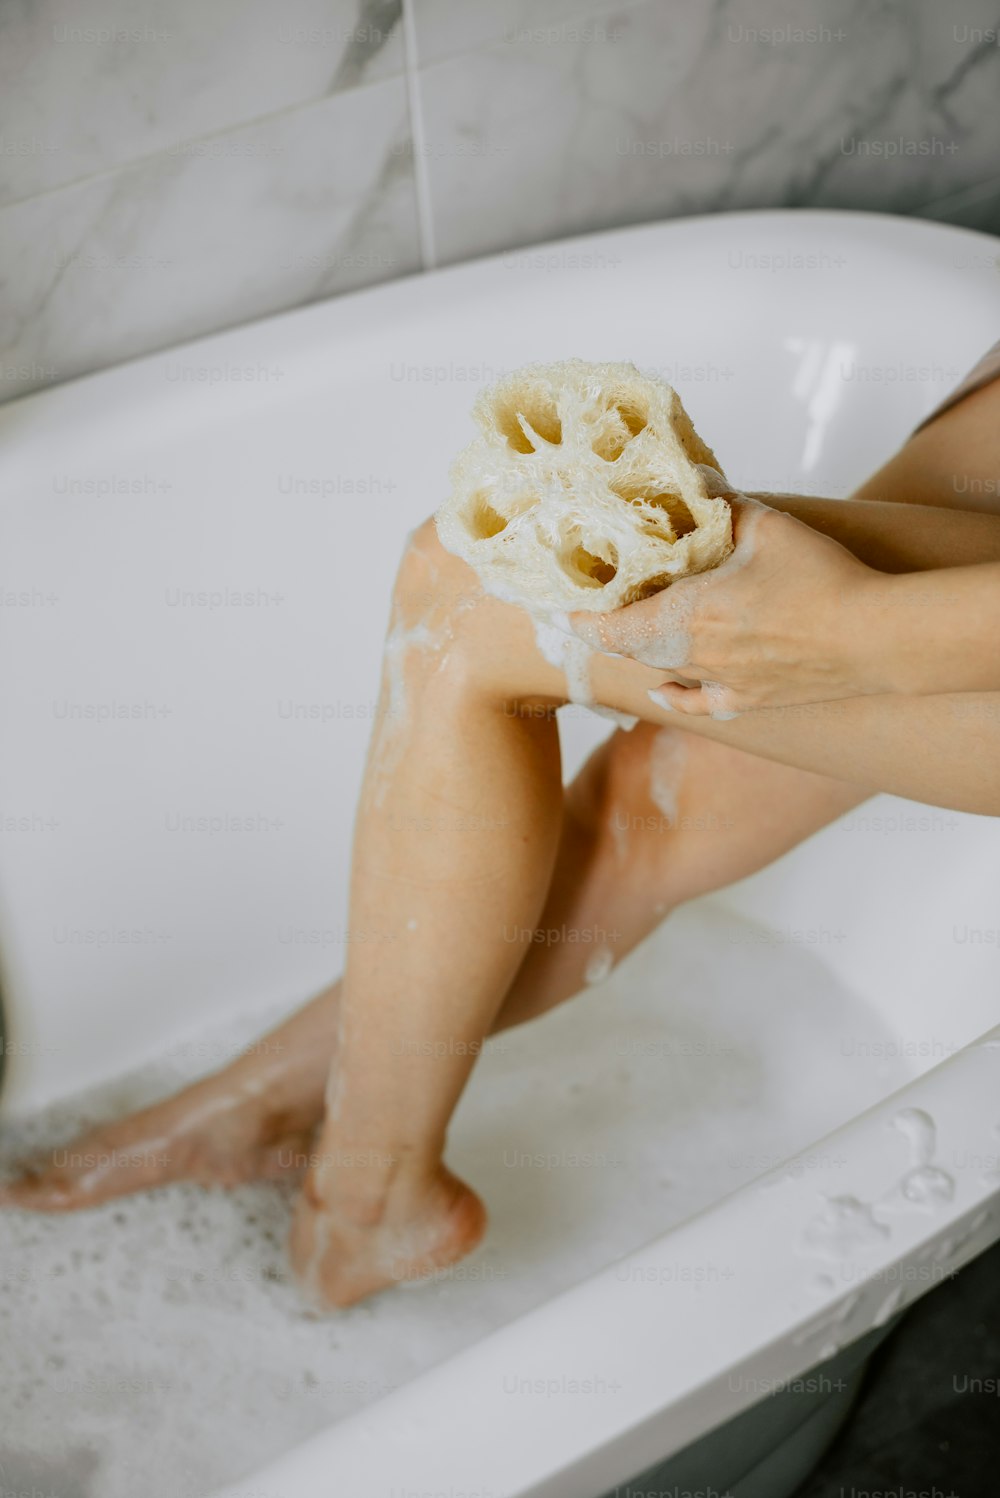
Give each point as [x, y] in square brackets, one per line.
[86, 89]
[316, 201]
[445, 28]
[667, 109]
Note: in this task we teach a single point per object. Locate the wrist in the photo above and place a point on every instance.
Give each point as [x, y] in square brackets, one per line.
[894, 634]
[868, 649]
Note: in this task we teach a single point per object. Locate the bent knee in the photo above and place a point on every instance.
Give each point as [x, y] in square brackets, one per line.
[431, 580]
[487, 644]
[433, 632]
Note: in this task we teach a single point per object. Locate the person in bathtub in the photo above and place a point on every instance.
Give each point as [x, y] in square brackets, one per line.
[854, 650]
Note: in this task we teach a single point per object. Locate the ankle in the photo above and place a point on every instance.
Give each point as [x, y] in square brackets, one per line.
[369, 1185]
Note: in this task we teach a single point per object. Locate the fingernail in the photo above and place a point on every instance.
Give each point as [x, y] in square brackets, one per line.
[655, 695]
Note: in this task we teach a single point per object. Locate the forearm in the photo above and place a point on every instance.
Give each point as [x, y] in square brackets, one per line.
[895, 537]
[930, 634]
[907, 632]
[943, 750]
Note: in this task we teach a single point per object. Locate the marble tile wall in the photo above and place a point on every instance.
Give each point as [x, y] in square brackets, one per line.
[177, 166]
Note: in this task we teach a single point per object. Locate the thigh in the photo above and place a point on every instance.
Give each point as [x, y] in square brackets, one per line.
[954, 463]
[654, 818]
[686, 815]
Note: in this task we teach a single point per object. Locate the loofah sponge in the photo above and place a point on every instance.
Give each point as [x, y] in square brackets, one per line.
[583, 490]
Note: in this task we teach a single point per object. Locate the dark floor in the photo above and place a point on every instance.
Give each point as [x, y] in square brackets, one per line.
[923, 1426]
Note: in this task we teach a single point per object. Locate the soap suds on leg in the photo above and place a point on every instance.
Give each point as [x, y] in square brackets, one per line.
[599, 965]
[667, 759]
[564, 650]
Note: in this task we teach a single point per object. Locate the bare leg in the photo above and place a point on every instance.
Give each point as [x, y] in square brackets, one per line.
[260, 1110]
[257, 1118]
[479, 749]
[402, 1212]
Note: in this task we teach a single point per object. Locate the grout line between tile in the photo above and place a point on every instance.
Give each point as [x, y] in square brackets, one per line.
[585, 15]
[421, 174]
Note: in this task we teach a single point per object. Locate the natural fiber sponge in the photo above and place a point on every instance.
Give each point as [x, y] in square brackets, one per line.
[583, 490]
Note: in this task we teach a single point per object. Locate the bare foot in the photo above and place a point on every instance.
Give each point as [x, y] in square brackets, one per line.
[253, 1121]
[203, 1134]
[339, 1260]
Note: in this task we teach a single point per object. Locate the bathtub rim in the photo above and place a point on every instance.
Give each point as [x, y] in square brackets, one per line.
[448, 1428]
[299, 328]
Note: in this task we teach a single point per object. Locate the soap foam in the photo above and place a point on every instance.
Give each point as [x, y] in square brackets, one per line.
[667, 758]
[844, 1226]
[920, 1132]
[848, 1225]
[400, 642]
[564, 650]
[599, 965]
[719, 699]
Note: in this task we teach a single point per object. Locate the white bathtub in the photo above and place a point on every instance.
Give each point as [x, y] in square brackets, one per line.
[180, 770]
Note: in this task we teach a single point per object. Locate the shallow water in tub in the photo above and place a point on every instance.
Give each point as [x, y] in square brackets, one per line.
[156, 1344]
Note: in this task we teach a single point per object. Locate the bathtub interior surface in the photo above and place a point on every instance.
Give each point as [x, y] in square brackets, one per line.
[209, 562]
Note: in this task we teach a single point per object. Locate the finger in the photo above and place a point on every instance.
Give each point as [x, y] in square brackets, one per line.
[709, 699]
[721, 701]
[690, 701]
[717, 486]
[656, 631]
[747, 514]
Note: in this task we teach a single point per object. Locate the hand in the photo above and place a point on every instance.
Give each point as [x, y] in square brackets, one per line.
[781, 621]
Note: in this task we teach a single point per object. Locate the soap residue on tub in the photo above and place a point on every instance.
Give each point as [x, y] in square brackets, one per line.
[920, 1132]
[844, 1226]
[848, 1225]
[924, 1184]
